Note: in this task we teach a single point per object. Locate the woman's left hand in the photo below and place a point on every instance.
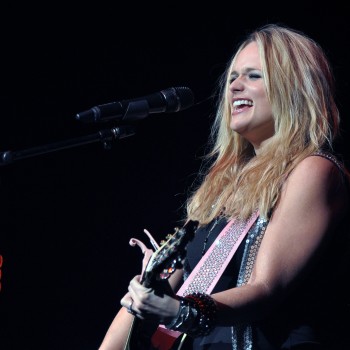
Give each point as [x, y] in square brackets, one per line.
[157, 303]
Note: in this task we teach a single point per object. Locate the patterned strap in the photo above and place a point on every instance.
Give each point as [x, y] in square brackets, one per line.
[207, 272]
[210, 268]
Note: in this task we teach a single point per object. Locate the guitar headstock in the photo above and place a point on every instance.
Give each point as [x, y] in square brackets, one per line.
[168, 257]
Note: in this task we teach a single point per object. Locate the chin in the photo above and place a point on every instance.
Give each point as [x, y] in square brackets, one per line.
[236, 127]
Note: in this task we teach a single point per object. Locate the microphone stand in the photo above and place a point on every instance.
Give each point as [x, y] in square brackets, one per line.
[106, 136]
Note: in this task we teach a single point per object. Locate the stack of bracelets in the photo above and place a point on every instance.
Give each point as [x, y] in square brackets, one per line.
[196, 316]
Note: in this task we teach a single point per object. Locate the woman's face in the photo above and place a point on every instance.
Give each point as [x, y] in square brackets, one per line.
[251, 112]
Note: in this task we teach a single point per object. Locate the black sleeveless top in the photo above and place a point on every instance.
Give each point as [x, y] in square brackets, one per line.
[315, 312]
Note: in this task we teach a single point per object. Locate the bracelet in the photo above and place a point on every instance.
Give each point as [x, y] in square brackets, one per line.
[207, 309]
[196, 315]
[184, 318]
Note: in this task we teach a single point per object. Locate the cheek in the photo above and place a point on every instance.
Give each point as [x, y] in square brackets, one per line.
[267, 110]
[265, 105]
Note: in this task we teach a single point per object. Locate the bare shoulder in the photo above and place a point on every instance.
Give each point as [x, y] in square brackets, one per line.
[319, 169]
[316, 192]
[319, 178]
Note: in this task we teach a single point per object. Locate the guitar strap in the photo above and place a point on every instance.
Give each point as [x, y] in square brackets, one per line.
[207, 272]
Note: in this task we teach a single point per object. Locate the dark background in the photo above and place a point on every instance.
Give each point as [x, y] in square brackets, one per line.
[67, 216]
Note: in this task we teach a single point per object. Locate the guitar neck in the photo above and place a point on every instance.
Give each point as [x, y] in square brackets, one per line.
[162, 263]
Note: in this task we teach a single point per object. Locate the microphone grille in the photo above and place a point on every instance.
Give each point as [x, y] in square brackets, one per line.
[178, 98]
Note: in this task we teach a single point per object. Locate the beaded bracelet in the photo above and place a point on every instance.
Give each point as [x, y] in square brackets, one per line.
[184, 318]
[207, 309]
[196, 315]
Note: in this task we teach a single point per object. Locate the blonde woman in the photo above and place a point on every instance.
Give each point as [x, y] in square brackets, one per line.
[272, 178]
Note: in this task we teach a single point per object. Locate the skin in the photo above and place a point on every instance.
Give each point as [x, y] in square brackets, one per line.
[254, 123]
[312, 201]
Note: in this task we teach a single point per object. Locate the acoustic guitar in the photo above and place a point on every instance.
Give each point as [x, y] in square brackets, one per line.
[145, 335]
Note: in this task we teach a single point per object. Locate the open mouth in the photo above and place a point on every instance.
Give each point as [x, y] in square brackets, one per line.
[241, 104]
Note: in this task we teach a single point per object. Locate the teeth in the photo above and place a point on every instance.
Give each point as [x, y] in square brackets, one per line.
[242, 102]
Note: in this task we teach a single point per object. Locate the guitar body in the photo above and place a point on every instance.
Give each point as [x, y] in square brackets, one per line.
[140, 335]
[146, 335]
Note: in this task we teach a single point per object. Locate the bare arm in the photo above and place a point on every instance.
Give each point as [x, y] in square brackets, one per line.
[312, 202]
[117, 334]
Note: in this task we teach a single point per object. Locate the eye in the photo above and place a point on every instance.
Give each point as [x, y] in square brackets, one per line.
[232, 79]
[254, 76]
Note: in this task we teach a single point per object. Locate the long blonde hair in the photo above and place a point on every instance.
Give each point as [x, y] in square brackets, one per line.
[300, 86]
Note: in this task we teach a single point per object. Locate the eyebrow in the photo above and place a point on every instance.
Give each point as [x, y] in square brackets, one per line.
[245, 71]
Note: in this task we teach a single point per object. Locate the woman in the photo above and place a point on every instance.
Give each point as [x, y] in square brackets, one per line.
[272, 170]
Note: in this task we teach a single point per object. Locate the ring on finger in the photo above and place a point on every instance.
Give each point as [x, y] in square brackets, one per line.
[130, 310]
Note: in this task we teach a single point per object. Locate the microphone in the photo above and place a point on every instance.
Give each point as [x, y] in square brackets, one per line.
[170, 100]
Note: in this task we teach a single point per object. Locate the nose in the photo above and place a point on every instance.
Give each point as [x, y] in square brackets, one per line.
[237, 84]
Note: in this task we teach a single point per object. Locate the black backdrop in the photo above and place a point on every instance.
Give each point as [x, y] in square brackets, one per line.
[67, 216]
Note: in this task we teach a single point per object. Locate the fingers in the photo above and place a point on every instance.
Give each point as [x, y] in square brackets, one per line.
[131, 299]
[130, 310]
[145, 303]
[128, 303]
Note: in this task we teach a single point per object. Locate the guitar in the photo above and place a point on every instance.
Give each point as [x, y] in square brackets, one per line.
[162, 264]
